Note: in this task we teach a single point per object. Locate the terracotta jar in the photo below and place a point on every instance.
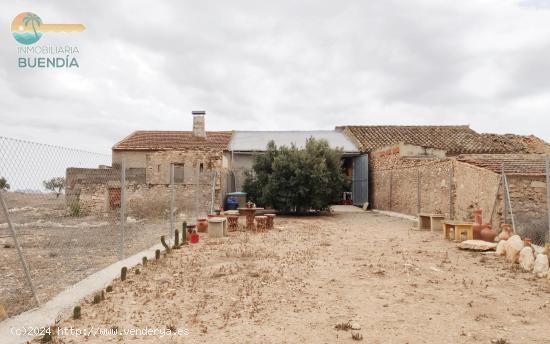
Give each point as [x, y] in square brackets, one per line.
[487, 233]
[477, 227]
[202, 225]
[506, 232]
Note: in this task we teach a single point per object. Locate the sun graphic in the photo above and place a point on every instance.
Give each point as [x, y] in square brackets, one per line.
[26, 28]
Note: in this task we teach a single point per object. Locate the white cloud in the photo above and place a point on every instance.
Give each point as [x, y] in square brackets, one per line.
[281, 65]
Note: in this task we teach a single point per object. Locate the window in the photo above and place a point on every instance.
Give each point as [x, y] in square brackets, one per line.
[201, 167]
[178, 173]
[158, 168]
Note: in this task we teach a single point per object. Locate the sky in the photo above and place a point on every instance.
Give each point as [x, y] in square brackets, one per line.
[278, 65]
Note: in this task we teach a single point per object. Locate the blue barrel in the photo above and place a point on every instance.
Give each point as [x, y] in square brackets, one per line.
[231, 203]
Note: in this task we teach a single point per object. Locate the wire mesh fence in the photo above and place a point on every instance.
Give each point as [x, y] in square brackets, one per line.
[73, 214]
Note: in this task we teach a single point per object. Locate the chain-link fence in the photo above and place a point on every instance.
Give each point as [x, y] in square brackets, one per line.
[69, 213]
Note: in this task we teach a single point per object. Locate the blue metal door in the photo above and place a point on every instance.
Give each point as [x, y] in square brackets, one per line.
[360, 180]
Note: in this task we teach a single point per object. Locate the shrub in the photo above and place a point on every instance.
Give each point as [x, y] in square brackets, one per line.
[290, 179]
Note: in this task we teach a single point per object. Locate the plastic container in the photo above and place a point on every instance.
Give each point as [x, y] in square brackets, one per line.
[231, 203]
[194, 238]
[240, 196]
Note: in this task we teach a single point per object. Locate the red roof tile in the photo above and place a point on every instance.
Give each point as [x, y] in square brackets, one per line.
[514, 164]
[174, 140]
[456, 139]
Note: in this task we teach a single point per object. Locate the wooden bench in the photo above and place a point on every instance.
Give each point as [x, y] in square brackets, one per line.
[430, 222]
[459, 228]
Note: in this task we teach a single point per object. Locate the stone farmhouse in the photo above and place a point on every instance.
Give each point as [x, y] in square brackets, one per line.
[452, 170]
[408, 169]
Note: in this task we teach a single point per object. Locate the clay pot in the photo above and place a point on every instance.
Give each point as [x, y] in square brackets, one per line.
[477, 227]
[506, 232]
[202, 225]
[487, 233]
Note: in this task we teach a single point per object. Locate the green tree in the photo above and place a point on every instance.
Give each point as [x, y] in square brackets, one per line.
[34, 20]
[56, 184]
[290, 179]
[4, 186]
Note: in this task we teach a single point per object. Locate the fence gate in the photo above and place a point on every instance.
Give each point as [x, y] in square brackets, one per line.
[360, 185]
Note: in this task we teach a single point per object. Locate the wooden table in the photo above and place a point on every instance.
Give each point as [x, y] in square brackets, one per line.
[459, 227]
[430, 221]
[250, 214]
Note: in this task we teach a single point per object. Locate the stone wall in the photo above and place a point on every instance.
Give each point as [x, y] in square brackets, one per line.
[529, 205]
[134, 159]
[409, 186]
[433, 185]
[87, 189]
[148, 191]
[475, 187]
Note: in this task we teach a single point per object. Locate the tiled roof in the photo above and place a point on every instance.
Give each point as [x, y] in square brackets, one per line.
[174, 140]
[529, 144]
[456, 139]
[514, 164]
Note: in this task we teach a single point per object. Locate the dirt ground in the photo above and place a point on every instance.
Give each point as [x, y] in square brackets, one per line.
[297, 283]
[61, 249]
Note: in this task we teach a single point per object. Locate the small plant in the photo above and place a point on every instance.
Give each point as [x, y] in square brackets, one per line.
[77, 312]
[144, 261]
[157, 254]
[47, 337]
[163, 242]
[123, 273]
[356, 336]
[138, 272]
[102, 295]
[109, 288]
[176, 239]
[344, 326]
[75, 210]
[97, 299]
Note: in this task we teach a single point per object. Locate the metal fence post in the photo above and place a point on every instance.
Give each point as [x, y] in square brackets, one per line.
[451, 176]
[391, 186]
[547, 165]
[197, 175]
[19, 251]
[509, 203]
[122, 206]
[172, 200]
[418, 195]
[504, 195]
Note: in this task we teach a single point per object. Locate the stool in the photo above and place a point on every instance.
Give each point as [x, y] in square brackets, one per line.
[270, 218]
[261, 223]
[430, 221]
[459, 228]
[233, 222]
[215, 227]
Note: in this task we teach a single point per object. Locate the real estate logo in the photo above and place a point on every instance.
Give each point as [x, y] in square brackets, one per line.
[28, 28]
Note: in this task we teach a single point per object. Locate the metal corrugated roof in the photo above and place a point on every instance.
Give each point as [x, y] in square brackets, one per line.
[247, 141]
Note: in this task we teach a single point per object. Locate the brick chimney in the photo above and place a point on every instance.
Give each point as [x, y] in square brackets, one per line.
[198, 124]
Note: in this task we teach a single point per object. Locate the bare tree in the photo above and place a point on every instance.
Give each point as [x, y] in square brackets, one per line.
[56, 184]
